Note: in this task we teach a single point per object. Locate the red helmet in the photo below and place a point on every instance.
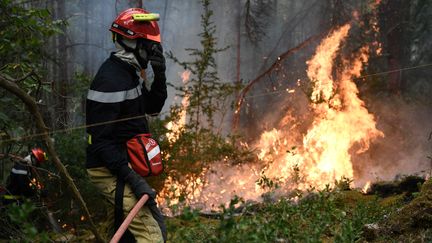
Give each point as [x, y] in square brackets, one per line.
[135, 23]
[39, 155]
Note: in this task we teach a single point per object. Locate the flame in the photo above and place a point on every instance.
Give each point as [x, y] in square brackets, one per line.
[321, 65]
[366, 187]
[35, 183]
[185, 76]
[175, 193]
[176, 126]
[341, 121]
[297, 154]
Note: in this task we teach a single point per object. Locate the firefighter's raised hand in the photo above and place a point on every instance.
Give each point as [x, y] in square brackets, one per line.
[157, 60]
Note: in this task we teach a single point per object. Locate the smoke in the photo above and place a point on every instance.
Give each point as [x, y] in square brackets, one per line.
[405, 148]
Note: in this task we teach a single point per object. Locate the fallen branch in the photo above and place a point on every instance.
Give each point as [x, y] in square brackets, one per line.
[277, 63]
[11, 86]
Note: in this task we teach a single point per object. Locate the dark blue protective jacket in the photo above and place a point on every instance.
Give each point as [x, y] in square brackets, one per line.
[115, 111]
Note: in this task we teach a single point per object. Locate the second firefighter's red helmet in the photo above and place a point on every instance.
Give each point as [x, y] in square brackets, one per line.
[39, 155]
[131, 25]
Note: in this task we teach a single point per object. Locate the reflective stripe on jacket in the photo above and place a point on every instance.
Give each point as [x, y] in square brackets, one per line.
[115, 111]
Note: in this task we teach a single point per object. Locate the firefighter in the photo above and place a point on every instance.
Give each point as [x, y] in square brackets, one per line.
[117, 102]
[21, 182]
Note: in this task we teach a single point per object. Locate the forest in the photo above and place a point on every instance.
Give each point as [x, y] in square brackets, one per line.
[285, 121]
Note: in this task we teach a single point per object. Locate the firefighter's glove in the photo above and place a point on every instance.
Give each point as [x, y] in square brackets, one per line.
[157, 60]
[139, 185]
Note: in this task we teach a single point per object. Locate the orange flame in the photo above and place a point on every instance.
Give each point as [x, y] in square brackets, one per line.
[366, 187]
[35, 183]
[176, 126]
[320, 66]
[185, 76]
[341, 126]
[341, 121]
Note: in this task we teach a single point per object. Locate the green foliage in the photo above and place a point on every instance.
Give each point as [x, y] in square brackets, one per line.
[265, 182]
[199, 142]
[344, 184]
[24, 50]
[207, 96]
[319, 216]
[190, 227]
[24, 47]
[20, 223]
[24, 33]
[81, 84]
[71, 148]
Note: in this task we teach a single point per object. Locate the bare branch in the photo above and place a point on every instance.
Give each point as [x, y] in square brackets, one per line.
[274, 66]
[17, 80]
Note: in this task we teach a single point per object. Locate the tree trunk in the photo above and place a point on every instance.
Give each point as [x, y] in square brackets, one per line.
[238, 63]
[239, 24]
[394, 13]
[62, 83]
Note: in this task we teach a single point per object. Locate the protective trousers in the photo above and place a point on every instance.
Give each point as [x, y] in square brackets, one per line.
[144, 227]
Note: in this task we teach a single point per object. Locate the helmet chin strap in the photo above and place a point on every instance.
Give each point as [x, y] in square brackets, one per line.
[142, 61]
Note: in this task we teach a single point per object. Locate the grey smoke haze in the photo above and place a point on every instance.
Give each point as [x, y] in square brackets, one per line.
[406, 146]
[290, 23]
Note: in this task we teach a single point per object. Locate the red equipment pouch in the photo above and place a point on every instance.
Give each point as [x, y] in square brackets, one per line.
[145, 155]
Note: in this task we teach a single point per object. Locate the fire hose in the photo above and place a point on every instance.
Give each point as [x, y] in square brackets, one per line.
[129, 219]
